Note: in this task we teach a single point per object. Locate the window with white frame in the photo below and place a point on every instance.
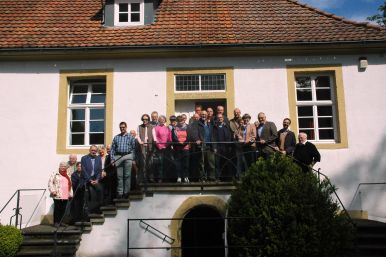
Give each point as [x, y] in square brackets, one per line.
[315, 103]
[86, 110]
[129, 12]
[200, 82]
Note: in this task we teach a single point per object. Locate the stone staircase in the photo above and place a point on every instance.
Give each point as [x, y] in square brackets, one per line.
[39, 240]
[371, 238]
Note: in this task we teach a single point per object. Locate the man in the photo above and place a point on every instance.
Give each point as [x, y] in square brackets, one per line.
[222, 133]
[197, 110]
[123, 156]
[154, 118]
[220, 110]
[202, 133]
[72, 160]
[233, 124]
[145, 141]
[305, 153]
[195, 117]
[286, 140]
[266, 134]
[92, 171]
[110, 179]
[210, 115]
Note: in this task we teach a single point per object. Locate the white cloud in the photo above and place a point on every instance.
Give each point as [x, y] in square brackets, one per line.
[324, 4]
[360, 18]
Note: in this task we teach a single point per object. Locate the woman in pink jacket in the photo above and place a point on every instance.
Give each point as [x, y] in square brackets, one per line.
[162, 137]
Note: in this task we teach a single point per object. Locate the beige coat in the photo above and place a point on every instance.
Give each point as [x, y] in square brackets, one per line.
[250, 134]
[54, 185]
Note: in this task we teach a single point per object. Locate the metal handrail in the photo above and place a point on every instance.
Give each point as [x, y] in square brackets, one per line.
[165, 237]
[362, 184]
[17, 209]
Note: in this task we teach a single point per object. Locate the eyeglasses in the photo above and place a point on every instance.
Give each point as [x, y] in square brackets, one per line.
[144, 119]
[122, 127]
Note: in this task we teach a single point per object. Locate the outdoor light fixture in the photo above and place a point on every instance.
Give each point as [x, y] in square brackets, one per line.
[363, 63]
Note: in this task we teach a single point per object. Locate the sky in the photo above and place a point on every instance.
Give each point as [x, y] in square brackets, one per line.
[356, 10]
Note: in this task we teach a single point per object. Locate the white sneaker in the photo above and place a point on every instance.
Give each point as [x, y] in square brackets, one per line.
[186, 180]
[178, 180]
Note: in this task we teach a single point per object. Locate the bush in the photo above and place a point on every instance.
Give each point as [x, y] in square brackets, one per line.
[292, 214]
[10, 241]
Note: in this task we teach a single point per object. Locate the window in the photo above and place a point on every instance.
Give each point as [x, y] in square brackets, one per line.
[86, 112]
[129, 12]
[316, 104]
[200, 82]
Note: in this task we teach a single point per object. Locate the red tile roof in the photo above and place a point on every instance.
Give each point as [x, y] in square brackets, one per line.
[72, 24]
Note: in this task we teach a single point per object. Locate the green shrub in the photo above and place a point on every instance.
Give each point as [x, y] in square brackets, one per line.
[10, 241]
[293, 214]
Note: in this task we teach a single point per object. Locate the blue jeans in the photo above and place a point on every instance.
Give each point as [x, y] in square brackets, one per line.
[124, 173]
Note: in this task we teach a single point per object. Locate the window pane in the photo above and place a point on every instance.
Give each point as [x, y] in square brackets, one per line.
[310, 133]
[97, 139]
[80, 89]
[303, 94]
[97, 126]
[305, 111]
[322, 81]
[99, 89]
[187, 83]
[77, 126]
[323, 94]
[123, 17]
[100, 98]
[79, 99]
[325, 122]
[213, 82]
[135, 17]
[326, 134]
[303, 82]
[77, 114]
[324, 110]
[135, 7]
[77, 139]
[123, 7]
[97, 114]
[306, 123]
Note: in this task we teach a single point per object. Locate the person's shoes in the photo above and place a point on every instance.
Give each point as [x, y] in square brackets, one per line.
[186, 180]
[125, 196]
[160, 181]
[119, 196]
[56, 225]
[64, 225]
[203, 180]
[178, 180]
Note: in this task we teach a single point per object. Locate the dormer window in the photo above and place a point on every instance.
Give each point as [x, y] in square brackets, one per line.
[129, 12]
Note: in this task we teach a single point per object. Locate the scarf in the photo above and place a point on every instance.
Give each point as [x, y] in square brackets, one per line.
[64, 174]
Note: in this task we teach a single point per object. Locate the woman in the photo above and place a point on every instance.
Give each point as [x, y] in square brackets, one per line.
[181, 150]
[60, 188]
[162, 137]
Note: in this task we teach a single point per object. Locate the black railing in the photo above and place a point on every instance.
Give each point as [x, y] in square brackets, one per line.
[18, 216]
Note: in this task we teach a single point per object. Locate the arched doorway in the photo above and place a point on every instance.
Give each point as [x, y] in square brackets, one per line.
[202, 227]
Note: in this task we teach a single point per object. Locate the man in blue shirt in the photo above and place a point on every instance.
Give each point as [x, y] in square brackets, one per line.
[123, 156]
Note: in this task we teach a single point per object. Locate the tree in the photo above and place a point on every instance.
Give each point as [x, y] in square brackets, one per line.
[286, 213]
[379, 18]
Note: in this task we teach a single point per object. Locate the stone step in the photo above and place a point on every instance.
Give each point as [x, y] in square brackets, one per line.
[109, 211]
[45, 242]
[47, 251]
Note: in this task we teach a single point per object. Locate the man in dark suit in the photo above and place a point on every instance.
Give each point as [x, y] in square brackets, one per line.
[266, 135]
[286, 139]
[92, 170]
[201, 132]
[305, 153]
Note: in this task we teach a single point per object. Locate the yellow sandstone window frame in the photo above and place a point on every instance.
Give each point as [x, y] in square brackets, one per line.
[172, 96]
[341, 126]
[62, 146]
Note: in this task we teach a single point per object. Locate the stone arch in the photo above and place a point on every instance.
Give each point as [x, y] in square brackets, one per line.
[190, 203]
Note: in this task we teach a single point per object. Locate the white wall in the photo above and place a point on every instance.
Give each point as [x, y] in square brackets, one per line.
[29, 110]
[110, 239]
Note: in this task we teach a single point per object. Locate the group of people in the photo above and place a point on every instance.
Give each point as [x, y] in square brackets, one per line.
[207, 147]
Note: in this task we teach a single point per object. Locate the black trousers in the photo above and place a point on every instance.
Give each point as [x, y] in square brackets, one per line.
[78, 207]
[59, 209]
